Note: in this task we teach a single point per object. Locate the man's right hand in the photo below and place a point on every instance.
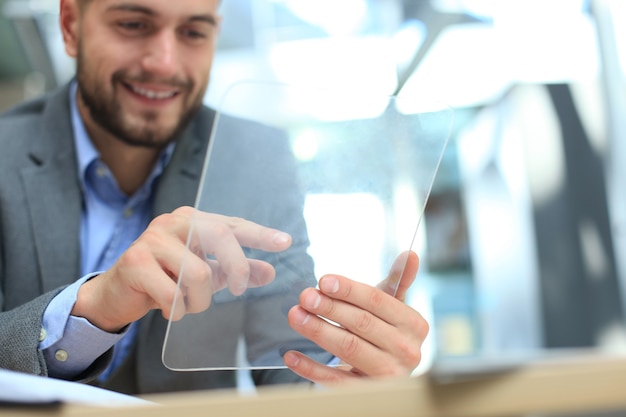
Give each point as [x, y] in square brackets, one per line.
[145, 275]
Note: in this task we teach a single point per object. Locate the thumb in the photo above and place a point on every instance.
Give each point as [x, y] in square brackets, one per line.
[401, 275]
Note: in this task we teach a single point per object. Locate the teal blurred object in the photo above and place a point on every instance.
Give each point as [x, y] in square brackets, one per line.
[13, 61]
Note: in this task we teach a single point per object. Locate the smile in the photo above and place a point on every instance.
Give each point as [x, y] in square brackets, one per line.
[152, 94]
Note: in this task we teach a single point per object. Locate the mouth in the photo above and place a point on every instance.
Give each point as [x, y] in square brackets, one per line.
[152, 93]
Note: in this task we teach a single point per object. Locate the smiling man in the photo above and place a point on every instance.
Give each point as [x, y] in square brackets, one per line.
[96, 180]
[142, 70]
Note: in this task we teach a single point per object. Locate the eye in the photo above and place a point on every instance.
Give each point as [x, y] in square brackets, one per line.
[193, 34]
[132, 26]
[197, 31]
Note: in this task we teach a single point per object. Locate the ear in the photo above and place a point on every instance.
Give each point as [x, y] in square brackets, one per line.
[69, 19]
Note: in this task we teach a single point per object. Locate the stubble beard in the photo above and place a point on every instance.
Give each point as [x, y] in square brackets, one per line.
[106, 111]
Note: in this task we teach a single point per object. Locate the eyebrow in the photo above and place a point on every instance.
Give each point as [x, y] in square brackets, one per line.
[130, 7]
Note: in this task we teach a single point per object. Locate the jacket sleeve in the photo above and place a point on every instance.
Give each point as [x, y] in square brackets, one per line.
[20, 330]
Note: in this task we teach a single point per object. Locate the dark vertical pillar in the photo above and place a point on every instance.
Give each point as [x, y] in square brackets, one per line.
[579, 300]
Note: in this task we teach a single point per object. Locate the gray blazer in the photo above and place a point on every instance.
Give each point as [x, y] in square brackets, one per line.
[40, 206]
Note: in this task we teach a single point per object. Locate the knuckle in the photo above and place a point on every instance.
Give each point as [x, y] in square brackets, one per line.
[397, 371]
[376, 299]
[307, 369]
[419, 325]
[183, 211]
[411, 352]
[197, 273]
[346, 289]
[151, 236]
[136, 254]
[164, 221]
[199, 305]
[174, 315]
[333, 379]
[364, 322]
[196, 249]
[350, 347]
[241, 270]
[168, 297]
[389, 369]
[316, 328]
[329, 309]
[220, 230]
[235, 221]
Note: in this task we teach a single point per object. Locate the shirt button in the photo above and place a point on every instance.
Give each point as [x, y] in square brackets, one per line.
[101, 172]
[128, 212]
[42, 334]
[61, 355]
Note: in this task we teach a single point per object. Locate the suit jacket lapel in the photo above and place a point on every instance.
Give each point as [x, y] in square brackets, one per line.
[179, 184]
[53, 195]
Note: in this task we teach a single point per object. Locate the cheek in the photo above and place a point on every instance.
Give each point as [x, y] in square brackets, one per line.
[199, 77]
[203, 75]
[106, 58]
[94, 58]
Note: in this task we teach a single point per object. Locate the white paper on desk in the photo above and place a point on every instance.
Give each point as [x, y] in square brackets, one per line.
[21, 388]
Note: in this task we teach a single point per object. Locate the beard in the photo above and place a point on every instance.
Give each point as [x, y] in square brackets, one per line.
[106, 110]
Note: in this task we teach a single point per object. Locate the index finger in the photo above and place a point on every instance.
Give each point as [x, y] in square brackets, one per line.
[224, 236]
[251, 234]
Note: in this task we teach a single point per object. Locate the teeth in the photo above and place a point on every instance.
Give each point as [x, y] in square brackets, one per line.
[153, 95]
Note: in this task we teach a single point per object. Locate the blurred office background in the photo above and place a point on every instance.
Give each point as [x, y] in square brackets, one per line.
[525, 230]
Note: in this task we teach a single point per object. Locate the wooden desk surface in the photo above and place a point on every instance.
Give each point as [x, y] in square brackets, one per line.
[589, 383]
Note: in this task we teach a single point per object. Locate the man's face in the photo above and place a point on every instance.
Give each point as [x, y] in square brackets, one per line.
[143, 65]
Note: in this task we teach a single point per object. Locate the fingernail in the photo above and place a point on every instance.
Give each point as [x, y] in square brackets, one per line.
[281, 238]
[291, 359]
[238, 290]
[313, 300]
[399, 264]
[301, 317]
[396, 270]
[329, 284]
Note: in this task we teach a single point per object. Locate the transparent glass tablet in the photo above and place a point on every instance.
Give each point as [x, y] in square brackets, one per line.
[346, 174]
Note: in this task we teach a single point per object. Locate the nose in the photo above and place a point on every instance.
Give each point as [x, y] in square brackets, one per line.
[161, 57]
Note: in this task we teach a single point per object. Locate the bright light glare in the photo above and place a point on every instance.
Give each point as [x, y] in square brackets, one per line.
[407, 41]
[532, 41]
[358, 70]
[463, 68]
[407, 212]
[337, 17]
[347, 234]
[546, 41]
[618, 13]
[305, 145]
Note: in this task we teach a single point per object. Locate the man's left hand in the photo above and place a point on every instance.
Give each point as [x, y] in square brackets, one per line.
[377, 334]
